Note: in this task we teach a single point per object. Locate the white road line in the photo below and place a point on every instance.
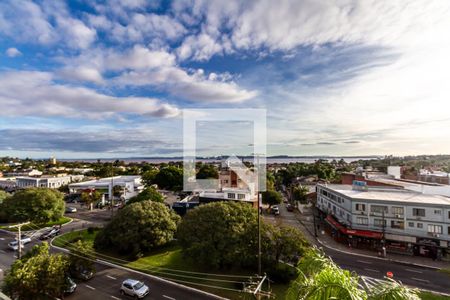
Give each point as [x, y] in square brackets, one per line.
[364, 262]
[114, 297]
[372, 270]
[90, 287]
[170, 298]
[2, 239]
[110, 277]
[414, 271]
[2, 251]
[418, 279]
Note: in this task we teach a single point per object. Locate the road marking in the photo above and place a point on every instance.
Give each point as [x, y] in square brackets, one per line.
[169, 297]
[2, 239]
[89, 287]
[110, 277]
[414, 271]
[418, 279]
[372, 270]
[114, 297]
[364, 262]
[2, 251]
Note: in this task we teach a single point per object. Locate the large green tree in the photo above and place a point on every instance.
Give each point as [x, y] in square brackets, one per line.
[38, 205]
[170, 178]
[207, 171]
[148, 177]
[89, 197]
[271, 197]
[79, 258]
[138, 228]
[300, 193]
[149, 193]
[283, 243]
[38, 275]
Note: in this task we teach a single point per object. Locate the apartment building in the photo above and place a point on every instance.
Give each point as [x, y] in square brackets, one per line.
[403, 220]
[52, 182]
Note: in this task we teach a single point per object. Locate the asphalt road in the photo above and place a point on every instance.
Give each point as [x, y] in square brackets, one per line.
[423, 278]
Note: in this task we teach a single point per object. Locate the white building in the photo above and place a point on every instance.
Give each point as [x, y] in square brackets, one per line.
[410, 221]
[52, 182]
[132, 185]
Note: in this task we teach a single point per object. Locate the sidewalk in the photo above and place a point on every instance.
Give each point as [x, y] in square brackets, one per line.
[325, 240]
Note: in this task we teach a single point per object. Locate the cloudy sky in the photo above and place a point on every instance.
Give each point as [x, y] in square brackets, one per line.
[81, 79]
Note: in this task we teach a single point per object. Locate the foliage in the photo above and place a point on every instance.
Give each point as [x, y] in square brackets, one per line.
[38, 275]
[37, 205]
[392, 290]
[207, 171]
[299, 193]
[78, 257]
[138, 228]
[271, 197]
[170, 178]
[118, 191]
[149, 193]
[148, 177]
[283, 243]
[90, 197]
[219, 235]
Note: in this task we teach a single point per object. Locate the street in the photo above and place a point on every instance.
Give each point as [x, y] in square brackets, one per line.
[423, 278]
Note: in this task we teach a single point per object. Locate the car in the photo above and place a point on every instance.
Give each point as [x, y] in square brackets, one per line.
[54, 231]
[290, 207]
[275, 210]
[70, 286]
[82, 273]
[134, 288]
[70, 209]
[14, 245]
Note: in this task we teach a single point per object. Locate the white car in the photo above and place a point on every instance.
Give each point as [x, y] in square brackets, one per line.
[134, 288]
[14, 245]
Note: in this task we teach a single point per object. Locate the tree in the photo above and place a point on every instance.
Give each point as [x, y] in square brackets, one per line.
[38, 205]
[392, 290]
[207, 171]
[299, 193]
[149, 193]
[148, 177]
[79, 258]
[138, 228]
[170, 178]
[118, 191]
[38, 275]
[271, 197]
[283, 243]
[90, 197]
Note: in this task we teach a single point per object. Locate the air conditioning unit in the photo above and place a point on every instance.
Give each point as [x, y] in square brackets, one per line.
[436, 235]
[363, 213]
[398, 216]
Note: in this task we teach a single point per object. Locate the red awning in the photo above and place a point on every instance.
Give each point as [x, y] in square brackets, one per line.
[362, 233]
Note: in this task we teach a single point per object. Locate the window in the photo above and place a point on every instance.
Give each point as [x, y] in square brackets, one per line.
[435, 228]
[349, 217]
[231, 196]
[419, 212]
[437, 211]
[411, 224]
[397, 210]
[241, 196]
[398, 224]
[419, 225]
[378, 209]
[360, 207]
[379, 223]
[449, 214]
[362, 221]
[448, 230]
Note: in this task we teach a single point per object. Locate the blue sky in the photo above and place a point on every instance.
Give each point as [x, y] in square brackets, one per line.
[87, 79]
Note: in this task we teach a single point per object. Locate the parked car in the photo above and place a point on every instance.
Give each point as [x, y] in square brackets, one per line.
[70, 286]
[14, 245]
[83, 274]
[70, 209]
[54, 231]
[134, 288]
[275, 210]
[290, 207]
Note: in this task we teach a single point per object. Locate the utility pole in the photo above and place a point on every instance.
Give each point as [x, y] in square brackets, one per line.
[111, 197]
[259, 235]
[19, 237]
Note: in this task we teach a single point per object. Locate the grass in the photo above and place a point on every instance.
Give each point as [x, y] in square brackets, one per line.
[446, 271]
[430, 296]
[168, 262]
[34, 226]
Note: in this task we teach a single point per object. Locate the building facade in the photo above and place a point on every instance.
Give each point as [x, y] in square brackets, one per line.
[402, 220]
[52, 182]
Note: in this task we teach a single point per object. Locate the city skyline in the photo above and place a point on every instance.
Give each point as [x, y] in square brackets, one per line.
[86, 80]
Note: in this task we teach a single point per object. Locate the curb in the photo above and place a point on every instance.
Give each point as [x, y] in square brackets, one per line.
[107, 263]
[364, 255]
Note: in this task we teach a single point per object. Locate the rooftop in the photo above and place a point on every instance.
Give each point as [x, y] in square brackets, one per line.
[387, 194]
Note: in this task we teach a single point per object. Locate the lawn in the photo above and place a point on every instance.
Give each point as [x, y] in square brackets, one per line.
[33, 226]
[168, 263]
[430, 296]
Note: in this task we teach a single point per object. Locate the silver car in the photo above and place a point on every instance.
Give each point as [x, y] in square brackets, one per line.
[134, 288]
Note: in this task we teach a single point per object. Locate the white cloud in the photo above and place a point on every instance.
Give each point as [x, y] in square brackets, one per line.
[81, 73]
[13, 52]
[28, 93]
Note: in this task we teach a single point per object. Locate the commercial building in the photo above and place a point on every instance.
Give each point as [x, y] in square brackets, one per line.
[131, 186]
[52, 182]
[402, 220]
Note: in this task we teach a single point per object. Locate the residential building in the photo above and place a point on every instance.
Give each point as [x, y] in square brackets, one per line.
[131, 186]
[52, 182]
[403, 220]
[26, 173]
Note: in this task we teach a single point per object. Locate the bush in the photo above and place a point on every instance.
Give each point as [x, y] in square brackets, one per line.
[282, 273]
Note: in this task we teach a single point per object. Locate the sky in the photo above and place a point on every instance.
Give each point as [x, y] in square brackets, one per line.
[102, 79]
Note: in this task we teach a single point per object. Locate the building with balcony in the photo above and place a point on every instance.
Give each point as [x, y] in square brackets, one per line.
[403, 220]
